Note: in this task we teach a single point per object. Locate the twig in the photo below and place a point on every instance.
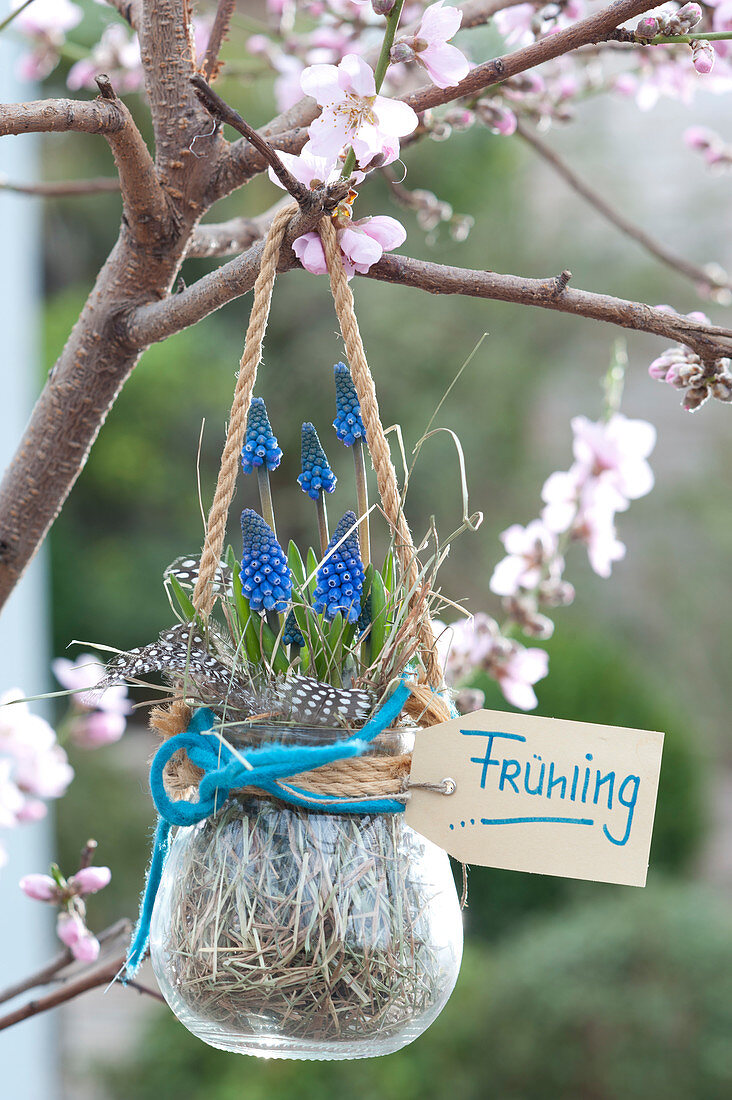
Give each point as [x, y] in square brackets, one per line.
[89, 979]
[63, 188]
[46, 116]
[9, 18]
[60, 962]
[710, 341]
[220, 110]
[131, 984]
[677, 263]
[219, 31]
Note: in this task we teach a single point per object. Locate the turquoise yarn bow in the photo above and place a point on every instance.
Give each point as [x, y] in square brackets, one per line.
[263, 768]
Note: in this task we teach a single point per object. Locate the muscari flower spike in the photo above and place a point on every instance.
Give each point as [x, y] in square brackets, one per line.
[316, 476]
[266, 580]
[260, 444]
[348, 423]
[292, 635]
[340, 578]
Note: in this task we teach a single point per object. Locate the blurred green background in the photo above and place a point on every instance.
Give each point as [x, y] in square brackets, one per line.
[569, 989]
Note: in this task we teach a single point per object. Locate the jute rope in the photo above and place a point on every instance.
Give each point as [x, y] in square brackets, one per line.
[361, 777]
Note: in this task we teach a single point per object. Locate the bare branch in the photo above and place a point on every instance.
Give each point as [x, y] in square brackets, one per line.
[219, 31]
[154, 322]
[697, 274]
[709, 341]
[145, 205]
[62, 188]
[220, 110]
[232, 237]
[46, 116]
[92, 978]
[64, 958]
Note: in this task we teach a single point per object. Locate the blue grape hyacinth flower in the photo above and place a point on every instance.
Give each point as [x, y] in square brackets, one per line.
[316, 476]
[266, 580]
[292, 635]
[260, 444]
[340, 578]
[348, 423]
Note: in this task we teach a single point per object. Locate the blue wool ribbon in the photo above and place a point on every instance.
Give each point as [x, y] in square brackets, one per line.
[226, 770]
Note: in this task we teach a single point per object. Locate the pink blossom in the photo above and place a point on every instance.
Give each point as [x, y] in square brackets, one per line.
[514, 24]
[308, 168]
[287, 89]
[47, 17]
[40, 766]
[11, 799]
[616, 451]
[71, 930]
[118, 55]
[352, 113]
[39, 887]
[362, 243]
[91, 731]
[83, 677]
[446, 65]
[90, 879]
[529, 549]
[596, 528]
[702, 56]
[32, 810]
[517, 674]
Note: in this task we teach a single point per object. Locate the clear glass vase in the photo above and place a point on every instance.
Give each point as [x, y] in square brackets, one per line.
[288, 934]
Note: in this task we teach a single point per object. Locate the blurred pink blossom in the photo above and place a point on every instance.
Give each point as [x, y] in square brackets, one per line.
[89, 880]
[45, 23]
[529, 549]
[473, 645]
[32, 760]
[99, 714]
[39, 887]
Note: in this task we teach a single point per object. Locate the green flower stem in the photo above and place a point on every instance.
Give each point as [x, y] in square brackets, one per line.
[265, 496]
[703, 36]
[273, 622]
[322, 522]
[294, 653]
[392, 22]
[362, 498]
[9, 19]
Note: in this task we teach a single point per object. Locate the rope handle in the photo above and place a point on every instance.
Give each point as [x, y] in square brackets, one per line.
[204, 593]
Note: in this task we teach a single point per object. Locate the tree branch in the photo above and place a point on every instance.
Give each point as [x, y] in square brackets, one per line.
[709, 341]
[236, 164]
[46, 116]
[128, 9]
[62, 960]
[222, 112]
[88, 979]
[62, 188]
[152, 323]
[698, 275]
[211, 64]
[145, 205]
[232, 237]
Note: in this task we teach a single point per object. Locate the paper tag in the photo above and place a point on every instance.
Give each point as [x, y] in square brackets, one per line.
[539, 794]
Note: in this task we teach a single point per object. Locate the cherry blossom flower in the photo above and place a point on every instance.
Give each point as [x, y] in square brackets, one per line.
[362, 244]
[99, 715]
[445, 64]
[38, 765]
[118, 55]
[45, 23]
[616, 450]
[473, 645]
[352, 113]
[529, 549]
[68, 895]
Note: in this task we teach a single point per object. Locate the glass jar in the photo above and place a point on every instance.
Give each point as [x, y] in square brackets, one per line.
[290, 934]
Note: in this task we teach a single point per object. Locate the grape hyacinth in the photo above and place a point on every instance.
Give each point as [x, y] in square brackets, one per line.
[260, 444]
[316, 476]
[340, 578]
[266, 580]
[348, 423]
[292, 635]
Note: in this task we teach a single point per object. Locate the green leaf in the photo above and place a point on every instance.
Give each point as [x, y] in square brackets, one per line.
[311, 566]
[334, 639]
[246, 623]
[379, 623]
[231, 559]
[295, 562]
[276, 656]
[184, 602]
[305, 618]
[387, 572]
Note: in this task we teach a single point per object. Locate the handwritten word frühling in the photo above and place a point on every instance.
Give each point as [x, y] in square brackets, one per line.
[584, 784]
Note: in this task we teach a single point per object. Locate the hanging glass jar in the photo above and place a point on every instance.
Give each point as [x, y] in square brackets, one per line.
[285, 933]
